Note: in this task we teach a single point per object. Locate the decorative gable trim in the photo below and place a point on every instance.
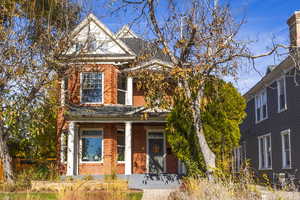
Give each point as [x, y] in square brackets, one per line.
[154, 64]
[126, 32]
[91, 17]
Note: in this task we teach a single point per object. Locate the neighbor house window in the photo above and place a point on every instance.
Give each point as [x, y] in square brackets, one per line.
[265, 152]
[281, 94]
[122, 89]
[120, 145]
[237, 158]
[91, 145]
[286, 149]
[261, 106]
[91, 87]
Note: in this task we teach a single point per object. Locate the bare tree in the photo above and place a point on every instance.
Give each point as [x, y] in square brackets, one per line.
[200, 39]
[34, 34]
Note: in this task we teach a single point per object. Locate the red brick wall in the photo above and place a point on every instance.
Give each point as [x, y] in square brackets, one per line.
[138, 96]
[139, 149]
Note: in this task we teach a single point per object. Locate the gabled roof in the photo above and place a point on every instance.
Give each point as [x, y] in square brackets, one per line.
[144, 48]
[92, 18]
[126, 32]
[272, 75]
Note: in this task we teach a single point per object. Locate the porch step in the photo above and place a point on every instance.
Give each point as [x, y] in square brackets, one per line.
[154, 181]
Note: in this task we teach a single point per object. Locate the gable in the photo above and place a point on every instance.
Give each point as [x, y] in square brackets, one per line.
[126, 32]
[92, 37]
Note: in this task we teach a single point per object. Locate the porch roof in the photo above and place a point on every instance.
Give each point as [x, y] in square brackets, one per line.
[113, 112]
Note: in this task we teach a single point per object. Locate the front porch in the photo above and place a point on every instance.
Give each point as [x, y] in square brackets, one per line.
[118, 147]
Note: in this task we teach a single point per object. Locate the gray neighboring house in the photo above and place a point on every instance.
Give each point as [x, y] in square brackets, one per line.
[271, 131]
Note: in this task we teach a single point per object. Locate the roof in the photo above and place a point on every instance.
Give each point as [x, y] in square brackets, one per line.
[110, 112]
[141, 48]
[273, 74]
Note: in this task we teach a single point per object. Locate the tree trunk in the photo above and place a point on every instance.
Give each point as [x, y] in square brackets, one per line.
[7, 161]
[209, 156]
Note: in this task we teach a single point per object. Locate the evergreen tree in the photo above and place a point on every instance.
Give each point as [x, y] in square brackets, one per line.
[223, 112]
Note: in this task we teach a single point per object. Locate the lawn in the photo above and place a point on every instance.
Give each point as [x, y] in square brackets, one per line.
[52, 196]
[28, 196]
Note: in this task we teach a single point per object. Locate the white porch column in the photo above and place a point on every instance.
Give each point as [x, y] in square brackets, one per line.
[128, 161]
[129, 95]
[62, 92]
[71, 150]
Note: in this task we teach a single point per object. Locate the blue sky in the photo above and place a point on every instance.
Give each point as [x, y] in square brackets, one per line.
[265, 20]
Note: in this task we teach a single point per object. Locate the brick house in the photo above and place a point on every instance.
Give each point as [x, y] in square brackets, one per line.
[270, 132]
[100, 124]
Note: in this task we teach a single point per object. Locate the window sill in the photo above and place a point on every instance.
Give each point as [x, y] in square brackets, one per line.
[91, 162]
[257, 122]
[282, 110]
[265, 169]
[286, 168]
[88, 103]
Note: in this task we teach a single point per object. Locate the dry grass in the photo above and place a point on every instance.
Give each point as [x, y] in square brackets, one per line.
[208, 190]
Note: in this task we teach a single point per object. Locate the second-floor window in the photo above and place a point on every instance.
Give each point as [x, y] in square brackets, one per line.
[286, 149]
[91, 87]
[122, 89]
[281, 91]
[265, 152]
[261, 106]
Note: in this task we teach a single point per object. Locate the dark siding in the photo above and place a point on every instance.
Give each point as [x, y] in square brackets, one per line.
[276, 122]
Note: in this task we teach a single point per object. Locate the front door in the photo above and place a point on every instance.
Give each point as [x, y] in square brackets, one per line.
[156, 152]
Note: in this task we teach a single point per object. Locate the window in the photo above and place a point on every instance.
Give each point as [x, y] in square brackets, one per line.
[265, 152]
[91, 44]
[64, 146]
[120, 145]
[261, 106]
[122, 89]
[238, 158]
[286, 149]
[281, 91]
[91, 87]
[91, 145]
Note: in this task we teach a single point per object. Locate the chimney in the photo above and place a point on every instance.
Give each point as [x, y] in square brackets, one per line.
[294, 26]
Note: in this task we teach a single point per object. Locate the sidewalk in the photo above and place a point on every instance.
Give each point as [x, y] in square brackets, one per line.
[156, 194]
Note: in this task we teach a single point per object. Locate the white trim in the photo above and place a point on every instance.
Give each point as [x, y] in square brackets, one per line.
[265, 152]
[80, 145]
[129, 92]
[125, 30]
[278, 93]
[149, 64]
[62, 92]
[260, 96]
[104, 28]
[71, 150]
[283, 133]
[128, 148]
[103, 88]
[149, 130]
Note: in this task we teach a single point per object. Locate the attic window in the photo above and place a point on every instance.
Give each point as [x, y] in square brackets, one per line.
[91, 44]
